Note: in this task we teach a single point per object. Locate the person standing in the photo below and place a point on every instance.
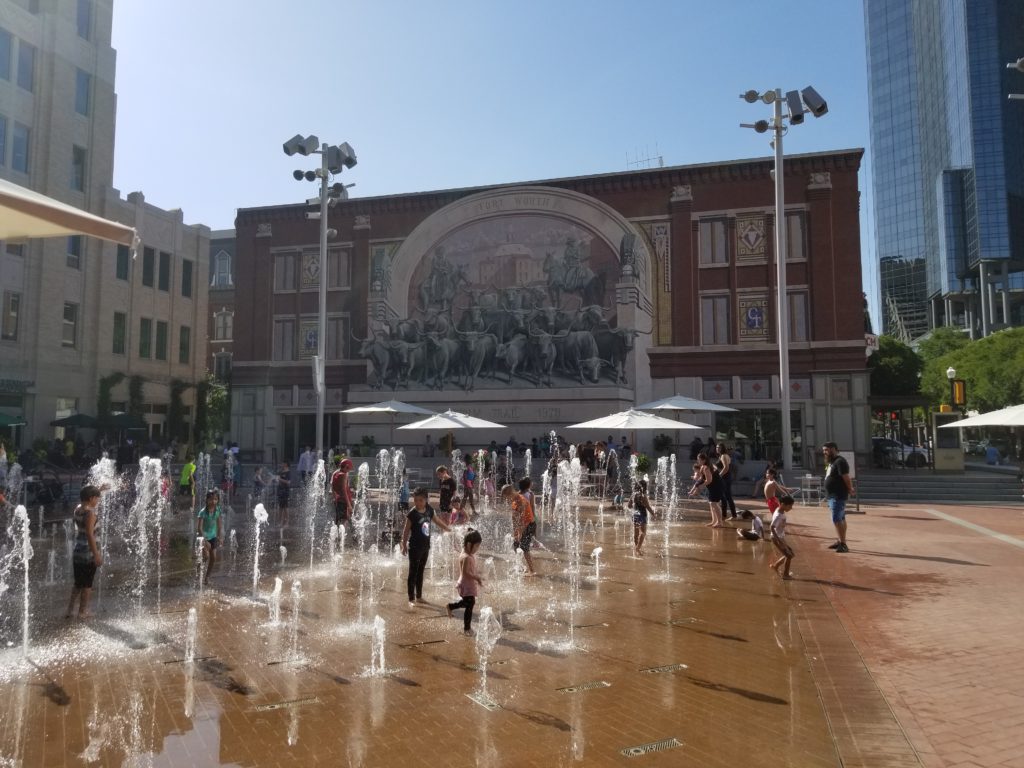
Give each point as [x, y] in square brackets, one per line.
[726, 471]
[342, 492]
[708, 477]
[307, 463]
[838, 488]
[469, 483]
[208, 525]
[641, 509]
[187, 483]
[447, 491]
[284, 488]
[778, 527]
[416, 542]
[85, 557]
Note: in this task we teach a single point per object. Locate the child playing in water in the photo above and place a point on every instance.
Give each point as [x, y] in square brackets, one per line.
[773, 489]
[458, 514]
[756, 532]
[641, 508]
[469, 582]
[86, 557]
[779, 535]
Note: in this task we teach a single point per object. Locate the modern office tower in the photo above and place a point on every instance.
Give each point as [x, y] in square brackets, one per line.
[947, 151]
[82, 317]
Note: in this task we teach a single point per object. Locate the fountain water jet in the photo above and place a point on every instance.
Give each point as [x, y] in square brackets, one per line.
[377, 668]
[274, 604]
[260, 517]
[296, 599]
[191, 634]
[487, 633]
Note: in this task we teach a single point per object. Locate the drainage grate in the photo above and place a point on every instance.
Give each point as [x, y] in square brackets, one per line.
[666, 668]
[588, 626]
[585, 686]
[484, 701]
[286, 704]
[182, 661]
[423, 642]
[654, 746]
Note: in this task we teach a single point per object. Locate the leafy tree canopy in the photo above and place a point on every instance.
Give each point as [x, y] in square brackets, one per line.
[993, 368]
[941, 342]
[894, 368]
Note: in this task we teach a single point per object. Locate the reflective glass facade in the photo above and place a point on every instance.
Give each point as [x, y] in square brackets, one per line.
[948, 161]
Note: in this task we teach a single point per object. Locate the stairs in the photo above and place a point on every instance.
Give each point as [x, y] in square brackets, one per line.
[989, 488]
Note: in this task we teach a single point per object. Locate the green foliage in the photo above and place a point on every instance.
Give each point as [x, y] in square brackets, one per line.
[643, 464]
[894, 368]
[177, 428]
[202, 419]
[993, 368]
[218, 409]
[40, 447]
[941, 342]
[107, 383]
[135, 396]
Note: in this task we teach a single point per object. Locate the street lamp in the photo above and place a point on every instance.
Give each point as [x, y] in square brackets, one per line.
[797, 104]
[333, 160]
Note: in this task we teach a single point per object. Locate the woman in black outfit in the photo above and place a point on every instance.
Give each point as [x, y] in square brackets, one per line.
[708, 477]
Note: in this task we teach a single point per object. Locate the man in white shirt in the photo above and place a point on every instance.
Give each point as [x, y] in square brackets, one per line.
[307, 462]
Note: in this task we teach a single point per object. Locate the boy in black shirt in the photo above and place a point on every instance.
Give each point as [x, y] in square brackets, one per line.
[447, 492]
[416, 542]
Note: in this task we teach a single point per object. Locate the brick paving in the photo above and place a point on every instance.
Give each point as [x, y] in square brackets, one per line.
[901, 653]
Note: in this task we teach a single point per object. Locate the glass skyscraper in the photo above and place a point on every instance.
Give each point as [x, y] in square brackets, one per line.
[947, 152]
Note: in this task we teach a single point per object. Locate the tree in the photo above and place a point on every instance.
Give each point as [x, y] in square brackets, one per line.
[993, 369]
[941, 342]
[895, 368]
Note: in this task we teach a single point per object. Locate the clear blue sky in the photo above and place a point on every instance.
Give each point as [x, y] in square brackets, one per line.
[457, 93]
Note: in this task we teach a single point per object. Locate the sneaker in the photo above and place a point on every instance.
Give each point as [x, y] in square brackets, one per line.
[835, 545]
[842, 548]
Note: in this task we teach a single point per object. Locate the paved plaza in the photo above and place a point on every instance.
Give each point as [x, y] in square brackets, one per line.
[904, 652]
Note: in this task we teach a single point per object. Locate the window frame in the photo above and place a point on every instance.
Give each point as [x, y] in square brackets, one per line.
[32, 61]
[120, 329]
[160, 341]
[3, 141]
[123, 263]
[75, 252]
[285, 258]
[83, 19]
[5, 61]
[223, 325]
[146, 338]
[27, 149]
[11, 308]
[185, 345]
[163, 281]
[73, 322]
[148, 266]
[712, 241]
[726, 300]
[277, 350]
[79, 163]
[187, 278]
[83, 92]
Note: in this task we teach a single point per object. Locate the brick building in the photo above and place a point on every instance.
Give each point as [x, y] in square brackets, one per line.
[586, 295]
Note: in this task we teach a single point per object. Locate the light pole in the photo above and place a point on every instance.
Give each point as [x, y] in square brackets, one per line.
[797, 103]
[332, 161]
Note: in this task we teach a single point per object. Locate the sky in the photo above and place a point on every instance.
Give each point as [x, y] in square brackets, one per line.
[451, 93]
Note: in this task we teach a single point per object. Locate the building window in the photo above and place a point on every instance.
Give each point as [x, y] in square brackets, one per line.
[284, 340]
[222, 271]
[714, 319]
[222, 325]
[165, 272]
[84, 19]
[284, 271]
[6, 44]
[83, 85]
[338, 269]
[78, 168]
[148, 266]
[120, 333]
[26, 66]
[222, 366]
[713, 247]
[145, 338]
[124, 261]
[186, 278]
[161, 340]
[16, 249]
[185, 345]
[795, 246]
[74, 258]
[69, 337]
[3, 141]
[336, 336]
[19, 148]
[798, 330]
[12, 310]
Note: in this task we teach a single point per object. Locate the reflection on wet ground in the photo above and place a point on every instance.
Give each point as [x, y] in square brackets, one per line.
[576, 687]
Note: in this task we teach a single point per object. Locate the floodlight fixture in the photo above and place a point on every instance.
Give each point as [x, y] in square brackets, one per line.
[795, 106]
[817, 105]
[750, 96]
[1018, 64]
[303, 145]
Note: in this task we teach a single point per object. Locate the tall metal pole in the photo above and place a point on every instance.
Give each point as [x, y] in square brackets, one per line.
[782, 315]
[321, 334]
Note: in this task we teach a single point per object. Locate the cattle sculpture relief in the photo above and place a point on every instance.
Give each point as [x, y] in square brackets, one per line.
[523, 301]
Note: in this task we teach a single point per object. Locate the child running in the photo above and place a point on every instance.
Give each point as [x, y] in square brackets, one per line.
[779, 535]
[773, 489]
[523, 525]
[469, 582]
[526, 489]
[208, 525]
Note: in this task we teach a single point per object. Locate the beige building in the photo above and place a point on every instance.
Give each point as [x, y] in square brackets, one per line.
[76, 310]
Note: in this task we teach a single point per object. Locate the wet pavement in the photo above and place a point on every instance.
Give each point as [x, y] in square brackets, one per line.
[903, 652]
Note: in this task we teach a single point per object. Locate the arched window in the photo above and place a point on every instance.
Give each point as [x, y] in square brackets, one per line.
[222, 271]
[223, 322]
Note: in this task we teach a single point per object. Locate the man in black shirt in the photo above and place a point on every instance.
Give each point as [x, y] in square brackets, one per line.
[838, 488]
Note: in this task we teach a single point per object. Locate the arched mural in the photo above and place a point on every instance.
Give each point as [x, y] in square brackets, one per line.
[514, 288]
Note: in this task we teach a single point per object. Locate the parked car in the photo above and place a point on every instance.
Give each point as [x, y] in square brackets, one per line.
[888, 452]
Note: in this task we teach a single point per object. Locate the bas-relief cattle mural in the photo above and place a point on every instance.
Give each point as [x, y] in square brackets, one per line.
[517, 300]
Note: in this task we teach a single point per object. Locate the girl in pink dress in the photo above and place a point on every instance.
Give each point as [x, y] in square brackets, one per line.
[469, 582]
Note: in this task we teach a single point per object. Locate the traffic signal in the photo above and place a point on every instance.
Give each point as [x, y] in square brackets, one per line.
[959, 393]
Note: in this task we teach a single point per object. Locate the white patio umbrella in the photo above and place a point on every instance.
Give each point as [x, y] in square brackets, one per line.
[682, 403]
[632, 420]
[25, 213]
[1004, 417]
[391, 407]
[451, 420]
